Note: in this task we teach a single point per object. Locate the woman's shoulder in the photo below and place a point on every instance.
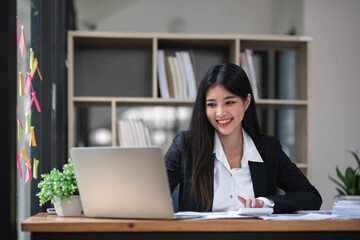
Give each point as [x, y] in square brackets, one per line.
[266, 142]
[181, 138]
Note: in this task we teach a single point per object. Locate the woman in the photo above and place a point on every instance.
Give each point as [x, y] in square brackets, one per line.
[223, 162]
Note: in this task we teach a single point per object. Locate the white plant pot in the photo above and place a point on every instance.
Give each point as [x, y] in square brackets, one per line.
[65, 209]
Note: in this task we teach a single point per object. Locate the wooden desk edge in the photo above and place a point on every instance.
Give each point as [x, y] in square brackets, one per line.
[52, 223]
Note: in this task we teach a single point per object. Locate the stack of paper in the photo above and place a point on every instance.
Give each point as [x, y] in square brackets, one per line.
[348, 208]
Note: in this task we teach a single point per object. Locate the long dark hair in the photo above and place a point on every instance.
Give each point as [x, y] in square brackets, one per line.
[201, 132]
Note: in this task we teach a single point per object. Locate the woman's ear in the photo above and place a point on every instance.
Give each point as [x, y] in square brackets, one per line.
[248, 101]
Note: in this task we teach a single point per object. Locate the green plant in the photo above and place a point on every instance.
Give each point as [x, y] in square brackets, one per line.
[350, 181]
[58, 185]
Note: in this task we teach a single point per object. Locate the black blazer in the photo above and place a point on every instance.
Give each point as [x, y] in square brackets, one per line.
[277, 170]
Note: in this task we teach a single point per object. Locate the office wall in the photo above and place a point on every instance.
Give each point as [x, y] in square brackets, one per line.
[334, 26]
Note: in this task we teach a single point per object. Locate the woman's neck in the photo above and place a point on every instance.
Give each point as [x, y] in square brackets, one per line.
[233, 148]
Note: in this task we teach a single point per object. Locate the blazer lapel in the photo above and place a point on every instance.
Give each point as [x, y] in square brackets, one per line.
[258, 177]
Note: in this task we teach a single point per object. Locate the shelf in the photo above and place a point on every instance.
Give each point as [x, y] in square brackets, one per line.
[118, 70]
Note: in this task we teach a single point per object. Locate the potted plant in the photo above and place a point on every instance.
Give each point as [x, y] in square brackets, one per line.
[349, 182]
[61, 189]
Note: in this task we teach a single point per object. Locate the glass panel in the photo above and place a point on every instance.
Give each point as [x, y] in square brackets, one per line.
[23, 189]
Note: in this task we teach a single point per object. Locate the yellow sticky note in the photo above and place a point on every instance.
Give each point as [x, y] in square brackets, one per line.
[28, 124]
[35, 65]
[31, 59]
[23, 153]
[21, 84]
[35, 168]
[19, 133]
[32, 141]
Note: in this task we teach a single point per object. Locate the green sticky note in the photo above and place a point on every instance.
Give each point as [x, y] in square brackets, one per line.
[31, 59]
[28, 124]
[19, 133]
[35, 168]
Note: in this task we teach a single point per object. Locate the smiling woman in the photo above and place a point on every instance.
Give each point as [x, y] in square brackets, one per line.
[224, 162]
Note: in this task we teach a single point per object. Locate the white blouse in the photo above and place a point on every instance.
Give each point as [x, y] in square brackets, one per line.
[230, 183]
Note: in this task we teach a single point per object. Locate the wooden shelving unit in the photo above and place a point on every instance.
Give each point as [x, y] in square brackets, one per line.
[120, 69]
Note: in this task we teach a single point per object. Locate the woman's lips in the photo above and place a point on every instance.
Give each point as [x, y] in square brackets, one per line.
[224, 123]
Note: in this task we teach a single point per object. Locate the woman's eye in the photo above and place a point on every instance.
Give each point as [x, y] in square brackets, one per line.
[211, 105]
[229, 102]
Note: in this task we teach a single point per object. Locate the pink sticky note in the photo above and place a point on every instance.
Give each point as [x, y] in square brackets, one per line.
[28, 83]
[28, 176]
[17, 31]
[36, 101]
[19, 165]
[21, 44]
[18, 118]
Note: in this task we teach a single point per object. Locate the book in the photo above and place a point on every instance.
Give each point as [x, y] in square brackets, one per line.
[252, 73]
[190, 75]
[179, 78]
[174, 77]
[169, 78]
[133, 133]
[162, 79]
[184, 82]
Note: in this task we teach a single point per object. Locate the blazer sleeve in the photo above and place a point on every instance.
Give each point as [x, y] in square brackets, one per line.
[173, 159]
[299, 193]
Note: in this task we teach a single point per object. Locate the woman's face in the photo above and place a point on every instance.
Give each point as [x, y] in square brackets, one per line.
[225, 110]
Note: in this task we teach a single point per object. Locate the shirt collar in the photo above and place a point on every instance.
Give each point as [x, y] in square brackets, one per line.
[250, 152]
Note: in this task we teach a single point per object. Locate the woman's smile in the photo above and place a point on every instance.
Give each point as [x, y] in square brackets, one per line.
[224, 122]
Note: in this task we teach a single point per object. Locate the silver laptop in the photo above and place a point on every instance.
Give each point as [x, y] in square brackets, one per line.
[117, 182]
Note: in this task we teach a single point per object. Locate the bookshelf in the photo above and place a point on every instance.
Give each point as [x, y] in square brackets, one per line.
[115, 70]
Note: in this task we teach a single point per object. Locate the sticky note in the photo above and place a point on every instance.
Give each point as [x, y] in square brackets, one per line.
[31, 58]
[21, 84]
[17, 31]
[21, 44]
[35, 65]
[23, 153]
[28, 176]
[19, 133]
[28, 123]
[28, 83]
[32, 141]
[19, 165]
[18, 118]
[39, 73]
[25, 42]
[34, 99]
[35, 168]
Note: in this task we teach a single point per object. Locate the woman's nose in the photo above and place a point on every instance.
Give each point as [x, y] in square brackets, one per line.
[220, 111]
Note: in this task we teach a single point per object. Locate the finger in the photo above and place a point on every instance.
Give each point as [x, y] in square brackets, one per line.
[242, 200]
[248, 203]
[256, 203]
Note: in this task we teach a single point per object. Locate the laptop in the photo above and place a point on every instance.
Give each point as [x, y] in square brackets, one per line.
[123, 182]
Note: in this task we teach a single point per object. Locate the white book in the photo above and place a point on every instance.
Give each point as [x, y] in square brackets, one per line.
[142, 132]
[253, 81]
[184, 81]
[190, 75]
[179, 78]
[174, 77]
[147, 135]
[138, 133]
[162, 79]
[122, 134]
[133, 132]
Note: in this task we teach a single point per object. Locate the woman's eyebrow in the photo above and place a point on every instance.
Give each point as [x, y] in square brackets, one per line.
[229, 97]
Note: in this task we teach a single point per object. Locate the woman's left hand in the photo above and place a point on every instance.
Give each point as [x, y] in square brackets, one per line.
[251, 203]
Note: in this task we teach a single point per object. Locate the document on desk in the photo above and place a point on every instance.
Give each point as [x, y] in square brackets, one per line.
[309, 216]
[214, 215]
[241, 213]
